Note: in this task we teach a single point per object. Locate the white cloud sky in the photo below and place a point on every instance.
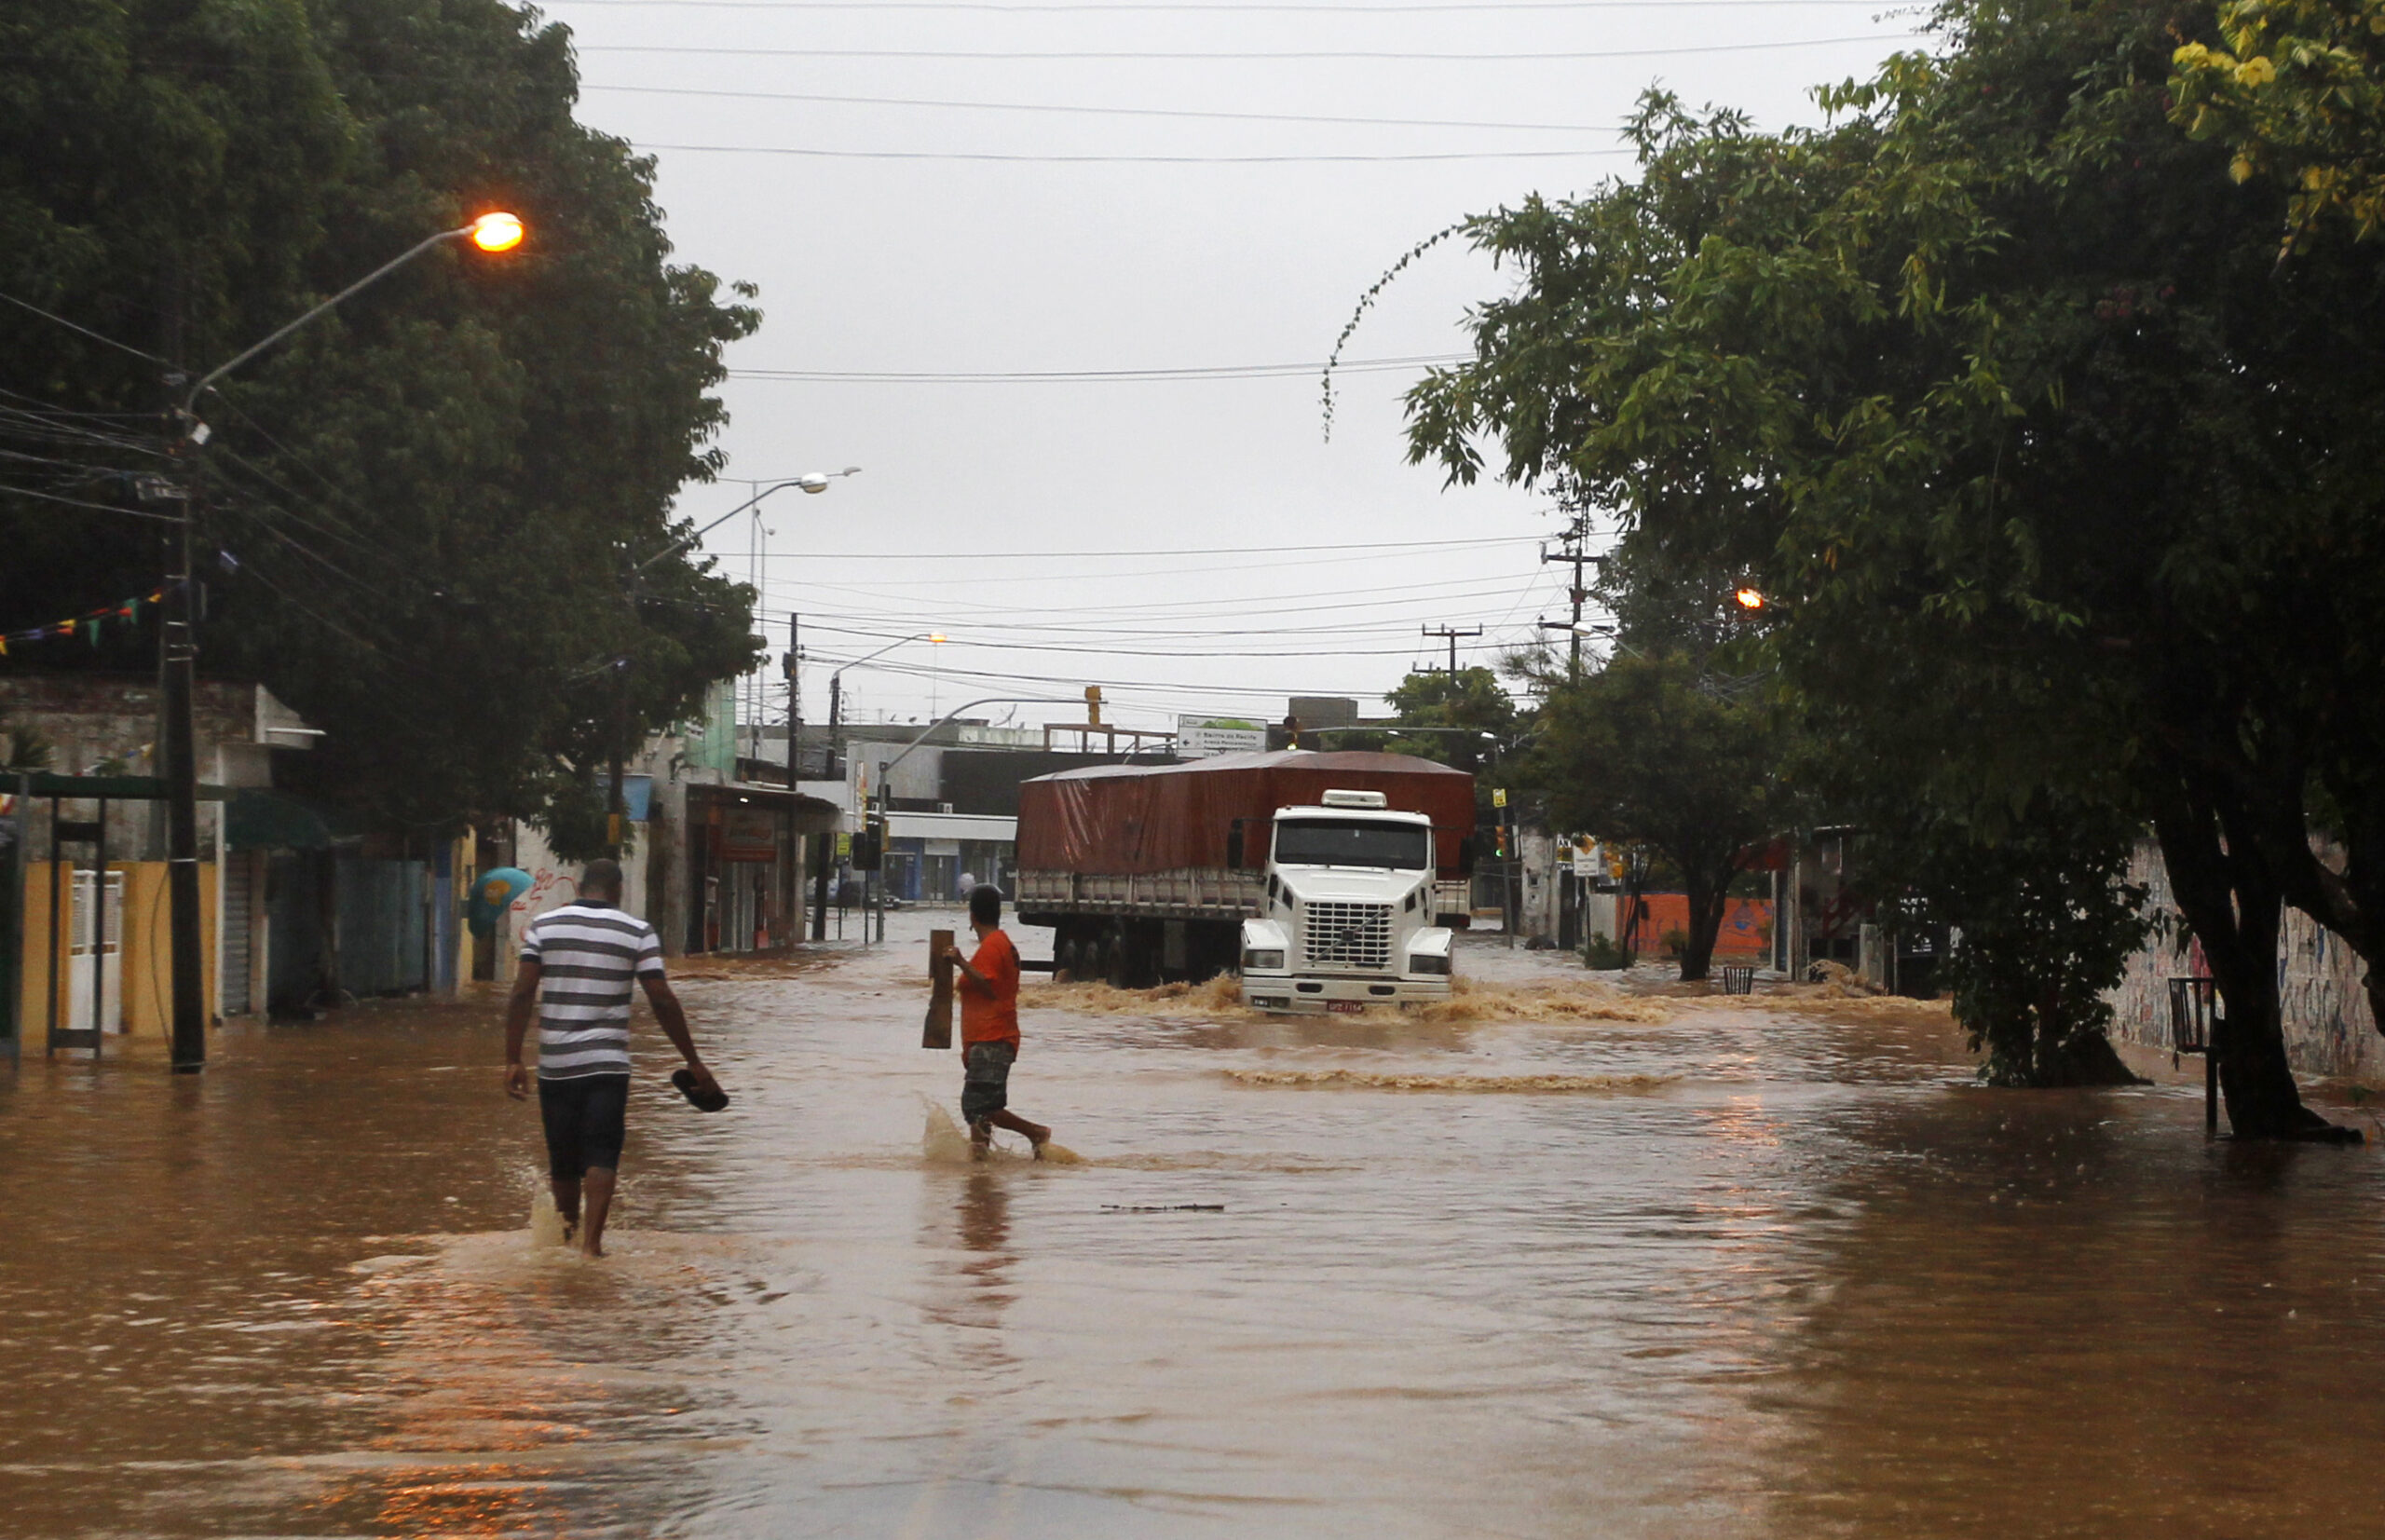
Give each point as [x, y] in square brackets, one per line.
[872, 265]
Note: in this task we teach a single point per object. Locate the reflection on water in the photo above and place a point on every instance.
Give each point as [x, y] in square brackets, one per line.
[1729, 1273]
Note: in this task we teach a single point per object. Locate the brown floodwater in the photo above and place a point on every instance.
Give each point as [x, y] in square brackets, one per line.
[1737, 1272]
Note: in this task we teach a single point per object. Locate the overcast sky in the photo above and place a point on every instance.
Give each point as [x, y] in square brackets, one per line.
[901, 240]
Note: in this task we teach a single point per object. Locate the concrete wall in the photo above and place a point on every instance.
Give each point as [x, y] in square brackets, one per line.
[2328, 1028]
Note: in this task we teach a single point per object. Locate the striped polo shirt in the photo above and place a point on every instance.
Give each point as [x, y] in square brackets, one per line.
[589, 956]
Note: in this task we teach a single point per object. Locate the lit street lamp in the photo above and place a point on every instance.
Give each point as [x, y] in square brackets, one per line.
[178, 652]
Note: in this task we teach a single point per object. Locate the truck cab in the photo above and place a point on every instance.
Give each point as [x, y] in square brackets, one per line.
[1351, 918]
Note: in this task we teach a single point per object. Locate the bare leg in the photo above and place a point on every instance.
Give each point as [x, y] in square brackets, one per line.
[599, 1182]
[1037, 1135]
[566, 1192]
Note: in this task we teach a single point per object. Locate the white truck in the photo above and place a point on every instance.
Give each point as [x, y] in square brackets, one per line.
[1327, 881]
[1351, 917]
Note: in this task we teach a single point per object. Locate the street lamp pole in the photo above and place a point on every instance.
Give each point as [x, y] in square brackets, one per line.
[178, 654]
[616, 806]
[886, 776]
[835, 771]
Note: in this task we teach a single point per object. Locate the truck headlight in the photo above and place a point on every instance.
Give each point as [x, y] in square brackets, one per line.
[1428, 964]
[1262, 958]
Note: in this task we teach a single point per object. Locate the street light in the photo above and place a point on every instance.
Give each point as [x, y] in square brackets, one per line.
[616, 806]
[178, 653]
[813, 481]
[886, 779]
[496, 232]
[835, 686]
[836, 767]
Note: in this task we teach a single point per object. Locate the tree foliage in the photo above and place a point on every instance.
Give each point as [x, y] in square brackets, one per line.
[1465, 719]
[1995, 379]
[2298, 92]
[417, 512]
[1646, 752]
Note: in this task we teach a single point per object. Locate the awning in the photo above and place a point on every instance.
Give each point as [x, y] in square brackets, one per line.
[259, 819]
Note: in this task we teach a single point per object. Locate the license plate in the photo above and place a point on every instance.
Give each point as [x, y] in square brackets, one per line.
[1346, 1007]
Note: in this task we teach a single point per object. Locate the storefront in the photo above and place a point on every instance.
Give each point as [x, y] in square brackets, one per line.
[745, 871]
[927, 852]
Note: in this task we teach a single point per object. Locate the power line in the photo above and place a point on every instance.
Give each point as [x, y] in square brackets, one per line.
[1443, 7]
[1113, 55]
[1121, 159]
[1271, 603]
[1115, 651]
[973, 556]
[1073, 376]
[75, 326]
[98, 508]
[1104, 112]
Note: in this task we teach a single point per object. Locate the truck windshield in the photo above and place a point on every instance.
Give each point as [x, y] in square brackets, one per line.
[1319, 843]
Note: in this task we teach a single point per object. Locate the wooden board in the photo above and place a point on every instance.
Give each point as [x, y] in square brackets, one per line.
[939, 1033]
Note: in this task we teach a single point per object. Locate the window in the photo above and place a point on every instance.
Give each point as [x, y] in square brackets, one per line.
[1317, 842]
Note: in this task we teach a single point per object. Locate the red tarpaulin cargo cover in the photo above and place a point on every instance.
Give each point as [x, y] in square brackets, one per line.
[1123, 820]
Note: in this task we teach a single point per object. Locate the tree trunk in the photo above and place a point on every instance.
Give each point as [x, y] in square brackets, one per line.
[2233, 904]
[1707, 901]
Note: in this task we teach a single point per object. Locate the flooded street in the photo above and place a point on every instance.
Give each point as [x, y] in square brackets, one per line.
[1722, 1270]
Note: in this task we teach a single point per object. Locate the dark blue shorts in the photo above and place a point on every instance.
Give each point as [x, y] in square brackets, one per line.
[585, 1118]
[985, 1089]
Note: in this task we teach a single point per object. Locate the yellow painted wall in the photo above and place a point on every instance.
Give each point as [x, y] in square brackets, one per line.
[147, 959]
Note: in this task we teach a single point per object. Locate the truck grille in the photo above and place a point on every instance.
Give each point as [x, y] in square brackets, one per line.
[1347, 936]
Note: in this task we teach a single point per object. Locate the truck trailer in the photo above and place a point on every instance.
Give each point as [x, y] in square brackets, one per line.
[1329, 881]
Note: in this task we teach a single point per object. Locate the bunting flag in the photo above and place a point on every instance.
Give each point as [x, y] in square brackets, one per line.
[88, 624]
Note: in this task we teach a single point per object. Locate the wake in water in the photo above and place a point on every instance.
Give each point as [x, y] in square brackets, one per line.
[546, 1220]
[1527, 1085]
[1471, 1000]
[945, 1142]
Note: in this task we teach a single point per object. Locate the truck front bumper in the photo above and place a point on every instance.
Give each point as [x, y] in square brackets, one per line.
[1297, 994]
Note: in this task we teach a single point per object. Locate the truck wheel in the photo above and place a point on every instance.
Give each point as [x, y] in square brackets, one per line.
[1114, 962]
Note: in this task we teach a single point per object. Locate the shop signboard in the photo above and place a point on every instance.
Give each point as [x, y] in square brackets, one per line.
[749, 834]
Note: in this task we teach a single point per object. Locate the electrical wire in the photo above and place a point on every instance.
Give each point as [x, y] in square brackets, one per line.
[1179, 653]
[77, 326]
[1120, 159]
[973, 556]
[1267, 603]
[99, 507]
[1430, 9]
[1105, 112]
[1197, 56]
[1097, 376]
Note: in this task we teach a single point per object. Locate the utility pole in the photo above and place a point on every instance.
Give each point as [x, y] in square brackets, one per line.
[177, 680]
[836, 701]
[1578, 591]
[794, 699]
[1451, 636]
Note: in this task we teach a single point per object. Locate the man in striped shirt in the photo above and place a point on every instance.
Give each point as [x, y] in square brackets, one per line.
[586, 954]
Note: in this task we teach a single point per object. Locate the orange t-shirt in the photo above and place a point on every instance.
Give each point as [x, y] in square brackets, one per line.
[990, 1011]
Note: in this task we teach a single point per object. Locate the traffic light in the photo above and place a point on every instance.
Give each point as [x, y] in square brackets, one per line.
[869, 845]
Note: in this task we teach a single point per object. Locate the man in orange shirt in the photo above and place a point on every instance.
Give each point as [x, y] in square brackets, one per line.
[990, 1026]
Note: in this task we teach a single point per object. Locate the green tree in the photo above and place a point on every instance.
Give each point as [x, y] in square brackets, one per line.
[1649, 751]
[1465, 719]
[2297, 91]
[419, 512]
[1995, 382]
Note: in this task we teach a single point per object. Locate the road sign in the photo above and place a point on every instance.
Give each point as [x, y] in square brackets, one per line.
[1203, 738]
